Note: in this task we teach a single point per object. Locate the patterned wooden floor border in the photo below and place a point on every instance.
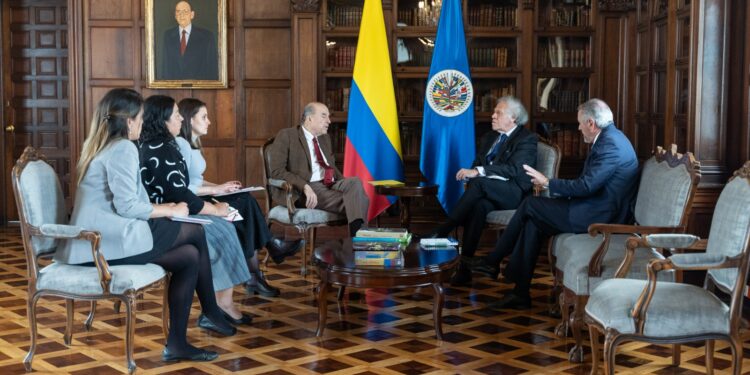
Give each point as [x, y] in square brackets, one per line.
[372, 332]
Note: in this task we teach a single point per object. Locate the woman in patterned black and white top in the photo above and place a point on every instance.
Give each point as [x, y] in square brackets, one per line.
[165, 176]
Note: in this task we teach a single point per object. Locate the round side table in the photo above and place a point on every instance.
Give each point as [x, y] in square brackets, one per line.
[405, 194]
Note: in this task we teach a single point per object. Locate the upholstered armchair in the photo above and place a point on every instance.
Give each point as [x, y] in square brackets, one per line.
[42, 214]
[667, 185]
[547, 162]
[305, 220]
[665, 312]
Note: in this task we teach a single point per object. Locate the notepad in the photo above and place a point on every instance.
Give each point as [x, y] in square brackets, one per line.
[243, 190]
[188, 219]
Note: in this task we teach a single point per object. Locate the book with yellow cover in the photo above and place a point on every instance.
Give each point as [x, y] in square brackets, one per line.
[382, 233]
[386, 183]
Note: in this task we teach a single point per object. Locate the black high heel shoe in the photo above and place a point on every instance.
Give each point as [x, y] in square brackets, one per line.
[258, 285]
[244, 319]
[199, 356]
[206, 323]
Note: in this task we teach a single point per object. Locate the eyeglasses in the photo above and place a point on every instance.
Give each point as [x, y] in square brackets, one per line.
[182, 12]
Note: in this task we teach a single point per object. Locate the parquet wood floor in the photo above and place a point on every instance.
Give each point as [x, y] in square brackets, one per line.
[371, 332]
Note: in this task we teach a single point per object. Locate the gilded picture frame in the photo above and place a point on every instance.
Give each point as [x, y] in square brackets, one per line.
[186, 44]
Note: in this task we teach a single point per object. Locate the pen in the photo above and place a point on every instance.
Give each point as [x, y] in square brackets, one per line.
[230, 209]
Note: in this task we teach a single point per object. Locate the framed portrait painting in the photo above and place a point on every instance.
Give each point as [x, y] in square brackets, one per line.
[186, 43]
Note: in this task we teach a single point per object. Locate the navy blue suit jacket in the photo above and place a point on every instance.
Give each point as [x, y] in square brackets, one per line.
[607, 185]
[200, 60]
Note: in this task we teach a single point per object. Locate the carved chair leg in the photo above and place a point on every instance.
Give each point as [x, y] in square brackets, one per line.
[594, 337]
[130, 302]
[609, 353]
[710, 357]
[31, 313]
[562, 329]
[736, 344]
[340, 294]
[165, 308]
[576, 325]
[69, 310]
[90, 319]
[676, 355]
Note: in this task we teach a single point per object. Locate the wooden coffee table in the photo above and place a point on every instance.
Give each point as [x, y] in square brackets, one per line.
[335, 263]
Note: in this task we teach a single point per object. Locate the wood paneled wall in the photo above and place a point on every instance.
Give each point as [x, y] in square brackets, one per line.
[109, 48]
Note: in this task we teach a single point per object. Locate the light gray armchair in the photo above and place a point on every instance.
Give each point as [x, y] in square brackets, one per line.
[667, 186]
[664, 312]
[305, 220]
[42, 214]
[547, 162]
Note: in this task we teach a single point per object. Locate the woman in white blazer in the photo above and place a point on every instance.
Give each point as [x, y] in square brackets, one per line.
[112, 200]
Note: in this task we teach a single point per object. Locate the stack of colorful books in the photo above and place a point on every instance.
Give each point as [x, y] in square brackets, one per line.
[380, 246]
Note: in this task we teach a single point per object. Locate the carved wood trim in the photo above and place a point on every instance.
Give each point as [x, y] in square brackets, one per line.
[305, 5]
[673, 159]
[743, 172]
[616, 5]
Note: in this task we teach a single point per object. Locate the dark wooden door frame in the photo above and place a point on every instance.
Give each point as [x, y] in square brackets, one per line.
[76, 70]
[5, 153]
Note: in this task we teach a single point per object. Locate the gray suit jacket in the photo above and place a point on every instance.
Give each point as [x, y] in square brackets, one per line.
[112, 200]
[289, 160]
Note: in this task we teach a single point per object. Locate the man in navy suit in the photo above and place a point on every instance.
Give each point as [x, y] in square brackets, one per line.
[496, 178]
[601, 194]
[188, 51]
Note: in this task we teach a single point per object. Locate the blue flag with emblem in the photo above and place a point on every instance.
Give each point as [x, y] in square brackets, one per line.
[448, 124]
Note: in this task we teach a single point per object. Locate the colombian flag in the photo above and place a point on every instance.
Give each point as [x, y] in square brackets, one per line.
[373, 144]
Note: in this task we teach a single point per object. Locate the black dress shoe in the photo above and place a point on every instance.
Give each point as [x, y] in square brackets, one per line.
[206, 323]
[279, 249]
[511, 301]
[482, 267]
[462, 277]
[258, 285]
[244, 319]
[199, 356]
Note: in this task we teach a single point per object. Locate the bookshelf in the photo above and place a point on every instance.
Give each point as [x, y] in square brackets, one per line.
[541, 52]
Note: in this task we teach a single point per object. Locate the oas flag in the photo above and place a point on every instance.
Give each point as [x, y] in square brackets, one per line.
[373, 144]
[448, 124]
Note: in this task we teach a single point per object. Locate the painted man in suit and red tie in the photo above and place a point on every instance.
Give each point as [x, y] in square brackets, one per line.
[497, 180]
[303, 157]
[188, 51]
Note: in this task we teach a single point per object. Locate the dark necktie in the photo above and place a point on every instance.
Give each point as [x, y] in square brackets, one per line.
[327, 169]
[496, 148]
[183, 42]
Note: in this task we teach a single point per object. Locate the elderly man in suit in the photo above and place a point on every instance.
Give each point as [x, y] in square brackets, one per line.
[601, 194]
[303, 157]
[188, 51]
[496, 178]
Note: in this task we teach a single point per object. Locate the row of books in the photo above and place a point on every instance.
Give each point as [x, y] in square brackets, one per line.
[568, 17]
[496, 57]
[426, 16]
[485, 101]
[564, 57]
[492, 15]
[341, 56]
[410, 99]
[562, 100]
[344, 16]
[567, 137]
[337, 99]
[380, 246]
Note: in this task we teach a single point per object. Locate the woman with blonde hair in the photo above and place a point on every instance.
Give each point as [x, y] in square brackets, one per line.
[111, 199]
